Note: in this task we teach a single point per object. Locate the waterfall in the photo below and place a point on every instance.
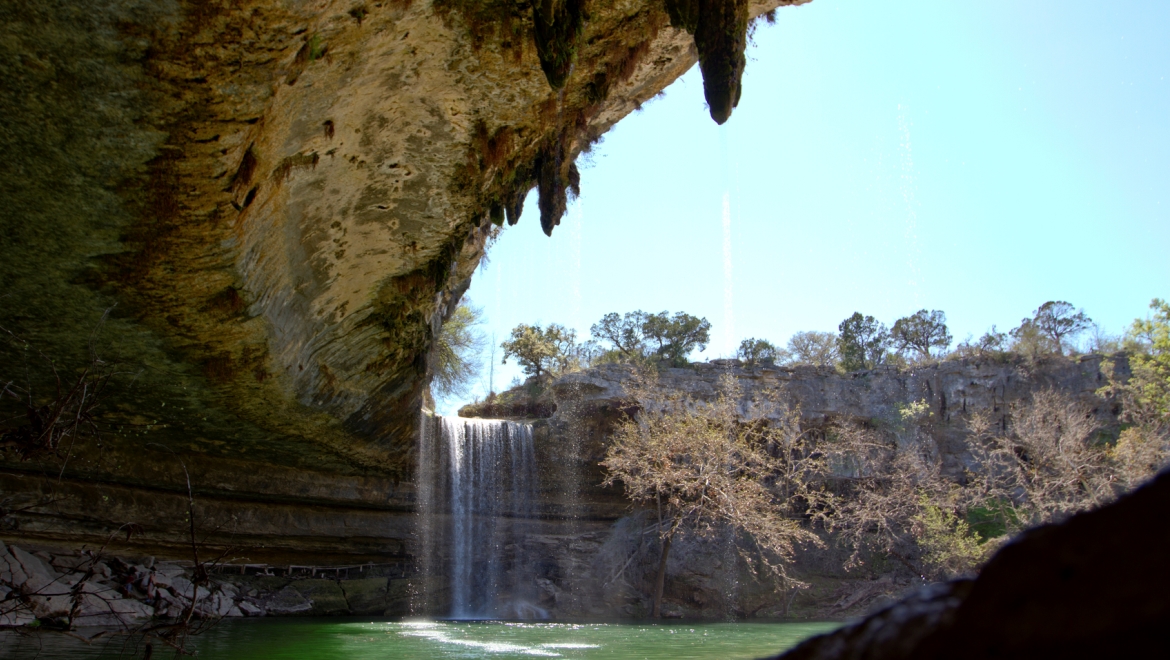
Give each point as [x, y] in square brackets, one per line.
[476, 486]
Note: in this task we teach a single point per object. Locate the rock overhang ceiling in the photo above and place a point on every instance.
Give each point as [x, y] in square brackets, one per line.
[276, 203]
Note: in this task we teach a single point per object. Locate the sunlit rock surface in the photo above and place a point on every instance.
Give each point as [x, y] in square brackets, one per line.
[951, 389]
[596, 557]
[272, 205]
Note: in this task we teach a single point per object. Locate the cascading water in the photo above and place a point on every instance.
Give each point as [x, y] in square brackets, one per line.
[476, 492]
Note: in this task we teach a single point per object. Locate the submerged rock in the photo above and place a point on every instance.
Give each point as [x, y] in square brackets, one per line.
[366, 596]
[287, 601]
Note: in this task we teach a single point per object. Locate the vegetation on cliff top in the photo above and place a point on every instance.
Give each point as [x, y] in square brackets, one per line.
[862, 342]
[875, 489]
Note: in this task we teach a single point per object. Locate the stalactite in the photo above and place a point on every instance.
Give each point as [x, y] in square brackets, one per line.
[557, 28]
[557, 176]
[720, 31]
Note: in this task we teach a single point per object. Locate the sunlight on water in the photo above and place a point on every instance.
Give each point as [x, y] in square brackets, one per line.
[321, 639]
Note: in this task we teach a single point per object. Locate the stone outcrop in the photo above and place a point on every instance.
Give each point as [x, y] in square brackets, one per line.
[586, 550]
[257, 214]
[590, 400]
[92, 590]
[596, 559]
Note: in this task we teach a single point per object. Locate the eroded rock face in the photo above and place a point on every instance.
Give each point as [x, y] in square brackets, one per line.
[598, 561]
[591, 400]
[263, 211]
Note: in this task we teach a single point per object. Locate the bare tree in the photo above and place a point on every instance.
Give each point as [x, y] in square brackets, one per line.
[921, 332]
[705, 468]
[881, 476]
[50, 422]
[1047, 464]
[1058, 321]
[816, 348]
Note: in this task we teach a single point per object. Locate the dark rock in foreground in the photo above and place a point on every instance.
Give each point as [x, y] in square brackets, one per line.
[1092, 587]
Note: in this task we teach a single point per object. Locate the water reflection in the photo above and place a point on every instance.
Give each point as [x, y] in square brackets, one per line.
[320, 639]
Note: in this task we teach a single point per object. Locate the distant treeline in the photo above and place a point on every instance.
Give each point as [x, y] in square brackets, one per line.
[861, 341]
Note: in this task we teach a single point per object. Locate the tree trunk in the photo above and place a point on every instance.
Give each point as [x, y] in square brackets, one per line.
[660, 581]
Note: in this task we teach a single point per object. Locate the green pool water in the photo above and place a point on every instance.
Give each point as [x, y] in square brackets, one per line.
[318, 639]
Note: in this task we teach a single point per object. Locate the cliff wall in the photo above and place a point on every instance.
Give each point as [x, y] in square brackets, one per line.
[256, 214]
[597, 560]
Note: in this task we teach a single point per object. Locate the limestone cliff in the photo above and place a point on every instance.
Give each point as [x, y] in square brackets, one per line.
[261, 212]
[597, 561]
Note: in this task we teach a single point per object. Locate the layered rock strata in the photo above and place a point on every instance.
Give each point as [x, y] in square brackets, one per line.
[588, 553]
[256, 214]
[602, 566]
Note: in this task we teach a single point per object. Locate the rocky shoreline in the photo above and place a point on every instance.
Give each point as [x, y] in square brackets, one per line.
[85, 589]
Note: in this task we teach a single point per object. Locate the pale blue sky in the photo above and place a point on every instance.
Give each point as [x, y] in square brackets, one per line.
[979, 158]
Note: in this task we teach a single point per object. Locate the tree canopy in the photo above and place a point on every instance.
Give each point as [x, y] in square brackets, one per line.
[756, 351]
[638, 335]
[541, 350]
[1057, 321]
[921, 332]
[863, 342]
[457, 352]
[624, 332]
[818, 349]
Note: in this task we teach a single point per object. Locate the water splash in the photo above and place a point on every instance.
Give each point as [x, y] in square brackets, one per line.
[576, 218]
[476, 490]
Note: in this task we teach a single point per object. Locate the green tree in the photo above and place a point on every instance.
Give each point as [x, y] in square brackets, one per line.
[1144, 445]
[755, 351]
[1151, 368]
[921, 332]
[457, 352]
[638, 335]
[676, 336]
[1028, 340]
[863, 342]
[542, 350]
[818, 349]
[624, 332]
[1058, 321]
[950, 548]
